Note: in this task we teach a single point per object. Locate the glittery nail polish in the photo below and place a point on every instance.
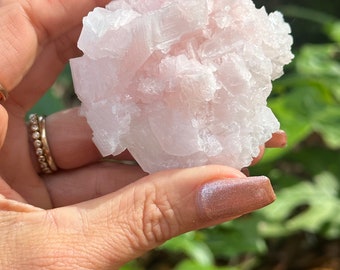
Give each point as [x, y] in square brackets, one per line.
[228, 198]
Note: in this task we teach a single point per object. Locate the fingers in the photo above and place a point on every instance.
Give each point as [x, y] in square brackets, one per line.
[15, 205]
[59, 16]
[279, 139]
[47, 66]
[26, 30]
[75, 186]
[6, 191]
[71, 145]
[107, 232]
[120, 226]
[70, 140]
[18, 44]
[259, 157]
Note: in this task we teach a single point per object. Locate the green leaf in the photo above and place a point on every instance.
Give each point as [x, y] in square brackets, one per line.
[318, 60]
[191, 265]
[236, 237]
[327, 124]
[192, 246]
[291, 111]
[133, 265]
[333, 31]
[321, 203]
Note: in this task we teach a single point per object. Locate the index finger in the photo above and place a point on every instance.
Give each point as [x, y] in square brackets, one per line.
[26, 25]
[58, 16]
[70, 140]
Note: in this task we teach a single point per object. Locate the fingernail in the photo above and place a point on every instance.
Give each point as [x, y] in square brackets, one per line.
[228, 198]
[245, 171]
[278, 140]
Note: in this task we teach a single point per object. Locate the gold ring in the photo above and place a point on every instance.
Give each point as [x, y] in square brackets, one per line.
[42, 150]
[3, 94]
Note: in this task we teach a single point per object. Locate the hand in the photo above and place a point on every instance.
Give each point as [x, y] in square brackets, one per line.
[99, 216]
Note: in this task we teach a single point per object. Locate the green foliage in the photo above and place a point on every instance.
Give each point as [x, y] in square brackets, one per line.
[191, 265]
[334, 31]
[133, 265]
[236, 237]
[320, 209]
[193, 244]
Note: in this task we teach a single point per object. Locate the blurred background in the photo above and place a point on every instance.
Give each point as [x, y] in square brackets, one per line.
[301, 230]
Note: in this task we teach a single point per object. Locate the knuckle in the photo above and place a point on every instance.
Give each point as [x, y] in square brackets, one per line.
[158, 218]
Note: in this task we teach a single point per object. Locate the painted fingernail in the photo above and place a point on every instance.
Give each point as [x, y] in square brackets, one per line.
[279, 139]
[228, 198]
[245, 171]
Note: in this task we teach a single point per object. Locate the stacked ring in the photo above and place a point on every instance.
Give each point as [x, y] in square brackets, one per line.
[42, 149]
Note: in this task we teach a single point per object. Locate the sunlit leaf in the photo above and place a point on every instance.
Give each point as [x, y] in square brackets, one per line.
[191, 265]
[194, 248]
[327, 124]
[333, 30]
[320, 204]
[319, 60]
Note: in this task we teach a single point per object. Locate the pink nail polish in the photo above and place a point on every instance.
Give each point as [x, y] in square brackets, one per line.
[227, 198]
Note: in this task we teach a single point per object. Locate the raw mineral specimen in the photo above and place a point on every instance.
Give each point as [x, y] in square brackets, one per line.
[181, 83]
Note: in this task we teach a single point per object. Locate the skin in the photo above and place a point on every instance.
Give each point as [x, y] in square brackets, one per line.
[90, 214]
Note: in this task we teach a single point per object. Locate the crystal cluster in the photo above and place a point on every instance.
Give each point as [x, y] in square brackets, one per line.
[181, 83]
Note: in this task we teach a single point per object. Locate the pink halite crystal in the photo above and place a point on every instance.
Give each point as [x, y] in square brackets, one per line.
[181, 83]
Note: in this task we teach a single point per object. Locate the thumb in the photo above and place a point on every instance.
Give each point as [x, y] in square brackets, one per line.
[112, 230]
[126, 224]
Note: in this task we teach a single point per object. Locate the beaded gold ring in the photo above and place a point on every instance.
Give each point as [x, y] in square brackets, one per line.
[42, 150]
